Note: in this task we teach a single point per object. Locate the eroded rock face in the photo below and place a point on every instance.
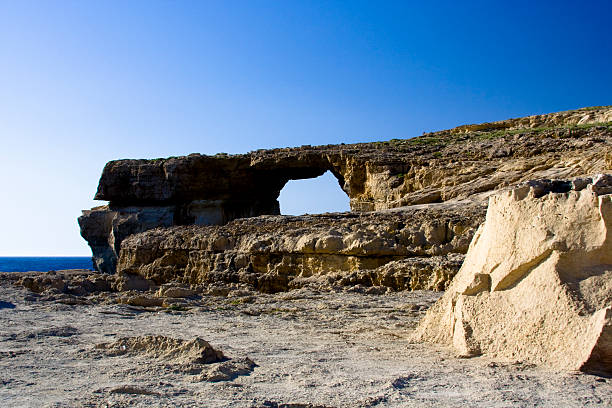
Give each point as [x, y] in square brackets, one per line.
[376, 175]
[275, 253]
[536, 284]
[458, 164]
[104, 229]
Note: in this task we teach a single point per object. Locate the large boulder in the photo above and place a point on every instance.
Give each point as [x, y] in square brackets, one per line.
[536, 284]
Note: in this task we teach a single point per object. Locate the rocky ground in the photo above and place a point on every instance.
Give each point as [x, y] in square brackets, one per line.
[303, 348]
[218, 301]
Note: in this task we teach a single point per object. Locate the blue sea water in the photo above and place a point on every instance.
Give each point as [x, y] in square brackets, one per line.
[44, 263]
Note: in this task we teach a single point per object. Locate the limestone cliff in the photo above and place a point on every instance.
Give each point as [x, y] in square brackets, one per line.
[459, 165]
[536, 284]
[275, 253]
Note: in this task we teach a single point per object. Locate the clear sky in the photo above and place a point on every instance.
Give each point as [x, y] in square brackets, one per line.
[84, 82]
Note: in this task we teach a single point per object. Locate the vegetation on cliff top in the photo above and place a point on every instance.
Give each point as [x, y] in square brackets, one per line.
[446, 137]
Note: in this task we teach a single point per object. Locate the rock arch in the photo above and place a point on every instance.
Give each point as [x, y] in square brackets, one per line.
[323, 194]
[456, 164]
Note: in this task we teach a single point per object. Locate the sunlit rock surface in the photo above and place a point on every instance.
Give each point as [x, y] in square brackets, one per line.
[461, 166]
[536, 284]
[276, 253]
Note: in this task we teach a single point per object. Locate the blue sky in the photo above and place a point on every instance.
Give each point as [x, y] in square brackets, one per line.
[84, 82]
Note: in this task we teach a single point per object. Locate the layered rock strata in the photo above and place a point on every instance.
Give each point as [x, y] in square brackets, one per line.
[453, 165]
[536, 284]
[409, 249]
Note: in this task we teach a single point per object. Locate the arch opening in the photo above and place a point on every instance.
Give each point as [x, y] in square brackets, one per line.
[313, 196]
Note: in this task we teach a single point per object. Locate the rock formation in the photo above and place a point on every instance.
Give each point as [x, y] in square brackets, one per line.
[196, 351]
[275, 253]
[536, 284]
[195, 358]
[458, 166]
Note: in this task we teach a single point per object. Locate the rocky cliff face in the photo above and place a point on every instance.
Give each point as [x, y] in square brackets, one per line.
[461, 165]
[536, 284]
[275, 253]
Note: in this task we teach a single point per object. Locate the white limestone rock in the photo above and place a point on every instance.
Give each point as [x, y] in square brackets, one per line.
[536, 284]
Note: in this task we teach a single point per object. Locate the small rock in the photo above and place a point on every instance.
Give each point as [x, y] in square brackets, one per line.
[142, 300]
[175, 292]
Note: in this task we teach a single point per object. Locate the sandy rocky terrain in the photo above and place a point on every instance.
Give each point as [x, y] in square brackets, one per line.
[303, 348]
[205, 296]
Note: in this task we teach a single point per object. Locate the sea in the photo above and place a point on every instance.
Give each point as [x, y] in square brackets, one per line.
[44, 263]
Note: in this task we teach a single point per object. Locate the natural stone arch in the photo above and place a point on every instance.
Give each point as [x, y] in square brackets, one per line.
[316, 195]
